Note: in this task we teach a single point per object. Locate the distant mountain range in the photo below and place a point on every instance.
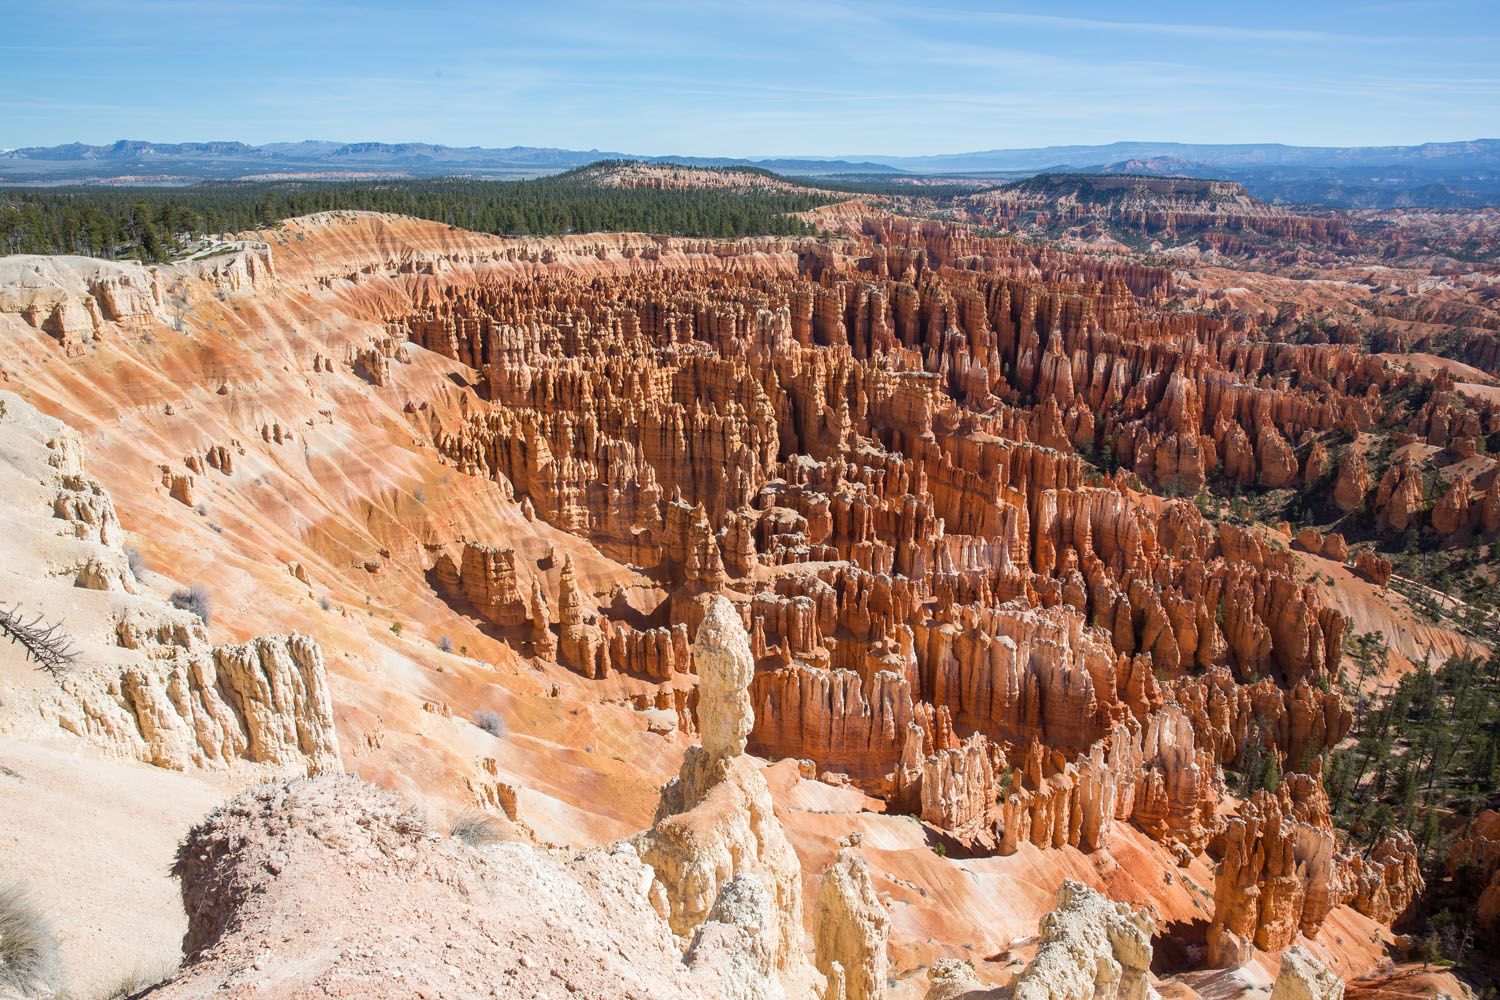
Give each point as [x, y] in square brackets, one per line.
[1263, 154]
[1440, 174]
[1434, 174]
[193, 161]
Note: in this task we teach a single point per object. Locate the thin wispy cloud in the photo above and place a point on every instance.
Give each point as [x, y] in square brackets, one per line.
[779, 77]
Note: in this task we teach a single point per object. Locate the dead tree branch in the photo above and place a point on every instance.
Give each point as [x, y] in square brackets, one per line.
[46, 645]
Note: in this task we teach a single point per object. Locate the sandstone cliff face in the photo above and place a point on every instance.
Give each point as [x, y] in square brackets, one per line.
[236, 267]
[73, 298]
[264, 701]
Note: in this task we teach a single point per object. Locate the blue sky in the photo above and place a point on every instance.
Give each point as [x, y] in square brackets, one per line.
[773, 77]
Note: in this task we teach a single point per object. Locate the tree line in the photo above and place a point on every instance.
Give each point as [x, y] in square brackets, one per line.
[156, 224]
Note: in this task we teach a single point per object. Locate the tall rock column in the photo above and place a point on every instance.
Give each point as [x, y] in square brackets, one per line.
[725, 670]
[715, 823]
[1353, 481]
[543, 642]
[583, 646]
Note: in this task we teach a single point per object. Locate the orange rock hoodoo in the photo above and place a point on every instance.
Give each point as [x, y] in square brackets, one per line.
[877, 456]
[485, 578]
[961, 500]
[1282, 874]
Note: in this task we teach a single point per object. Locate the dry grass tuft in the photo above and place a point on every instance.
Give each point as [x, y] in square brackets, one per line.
[477, 828]
[29, 965]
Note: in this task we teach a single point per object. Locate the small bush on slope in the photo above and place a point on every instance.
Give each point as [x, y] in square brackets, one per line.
[194, 599]
[137, 980]
[490, 722]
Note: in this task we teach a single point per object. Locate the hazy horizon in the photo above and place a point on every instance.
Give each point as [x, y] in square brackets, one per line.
[835, 79]
[690, 154]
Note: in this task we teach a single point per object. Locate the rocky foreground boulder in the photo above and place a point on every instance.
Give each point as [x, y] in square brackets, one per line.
[354, 895]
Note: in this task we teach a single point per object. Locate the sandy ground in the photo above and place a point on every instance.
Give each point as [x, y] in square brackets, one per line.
[78, 828]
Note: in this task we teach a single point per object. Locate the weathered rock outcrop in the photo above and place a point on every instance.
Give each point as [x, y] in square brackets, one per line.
[1278, 463]
[1353, 481]
[1281, 874]
[581, 643]
[1276, 879]
[484, 579]
[1331, 546]
[850, 929]
[362, 899]
[953, 979]
[1489, 507]
[543, 642]
[72, 298]
[264, 701]
[1452, 513]
[145, 683]
[1091, 948]
[1382, 882]
[1303, 977]
[1398, 501]
[1376, 569]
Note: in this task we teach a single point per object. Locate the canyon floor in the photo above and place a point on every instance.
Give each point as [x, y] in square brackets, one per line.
[1000, 561]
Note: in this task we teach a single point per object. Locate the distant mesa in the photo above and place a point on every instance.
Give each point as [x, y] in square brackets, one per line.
[1445, 174]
